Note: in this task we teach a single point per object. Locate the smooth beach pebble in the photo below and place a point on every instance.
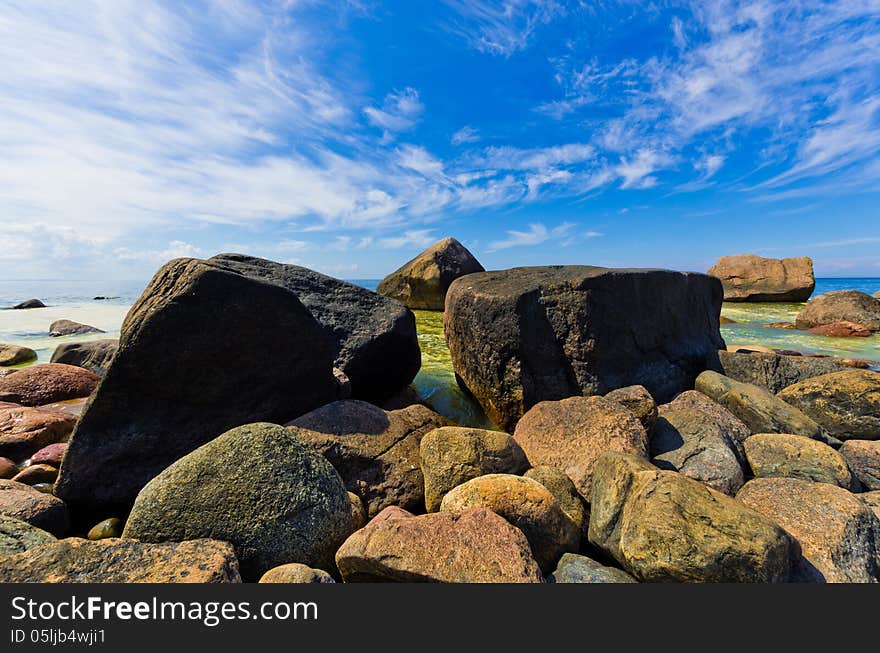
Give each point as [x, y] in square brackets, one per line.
[108, 528]
[50, 455]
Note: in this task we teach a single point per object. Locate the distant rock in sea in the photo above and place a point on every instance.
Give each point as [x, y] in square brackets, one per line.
[70, 328]
[30, 303]
[751, 278]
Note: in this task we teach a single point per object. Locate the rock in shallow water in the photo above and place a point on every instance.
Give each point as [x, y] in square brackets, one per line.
[70, 328]
[261, 488]
[94, 356]
[573, 433]
[157, 401]
[48, 383]
[846, 404]
[452, 455]
[15, 355]
[518, 337]
[838, 532]
[29, 303]
[662, 526]
[842, 329]
[476, 546]
[376, 452]
[75, 560]
[840, 306]
[422, 282]
[374, 338]
[751, 278]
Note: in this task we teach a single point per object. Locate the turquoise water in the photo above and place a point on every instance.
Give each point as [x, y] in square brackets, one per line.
[73, 300]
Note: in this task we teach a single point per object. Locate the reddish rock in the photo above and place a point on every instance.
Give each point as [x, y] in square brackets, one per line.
[73, 407]
[25, 430]
[751, 278]
[33, 474]
[36, 508]
[838, 306]
[476, 546]
[8, 468]
[842, 329]
[48, 383]
[51, 455]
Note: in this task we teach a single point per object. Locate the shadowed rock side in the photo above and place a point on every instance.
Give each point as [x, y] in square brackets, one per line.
[374, 338]
[95, 356]
[422, 282]
[751, 278]
[521, 336]
[159, 401]
[775, 371]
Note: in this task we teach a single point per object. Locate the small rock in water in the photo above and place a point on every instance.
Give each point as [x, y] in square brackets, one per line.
[726, 320]
[111, 527]
[839, 306]
[842, 329]
[295, 572]
[30, 303]
[103, 298]
[15, 355]
[70, 328]
[780, 325]
[33, 474]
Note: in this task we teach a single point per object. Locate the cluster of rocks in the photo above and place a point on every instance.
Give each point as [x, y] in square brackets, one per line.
[631, 449]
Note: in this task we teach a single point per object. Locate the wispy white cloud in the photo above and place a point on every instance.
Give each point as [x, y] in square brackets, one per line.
[466, 134]
[501, 27]
[400, 112]
[537, 233]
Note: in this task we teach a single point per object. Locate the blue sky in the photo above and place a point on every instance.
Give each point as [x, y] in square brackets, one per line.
[347, 136]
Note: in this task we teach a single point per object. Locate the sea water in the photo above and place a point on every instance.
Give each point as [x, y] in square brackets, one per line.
[74, 300]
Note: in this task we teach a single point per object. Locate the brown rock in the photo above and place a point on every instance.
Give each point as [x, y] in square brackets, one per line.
[774, 371]
[376, 452]
[863, 458]
[36, 508]
[846, 404]
[73, 407]
[15, 355]
[44, 384]
[70, 328]
[780, 325]
[564, 491]
[726, 320]
[476, 546]
[872, 499]
[842, 329]
[50, 455]
[838, 532]
[422, 282]
[296, 572]
[25, 430]
[841, 306]
[8, 469]
[573, 433]
[526, 504]
[794, 456]
[75, 560]
[751, 278]
[33, 474]
[663, 526]
[637, 399]
[452, 455]
[358, 512]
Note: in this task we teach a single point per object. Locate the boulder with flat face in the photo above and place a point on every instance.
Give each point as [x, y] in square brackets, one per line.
[663, 526]
[376, 452]
[751, 278]
[203, 350]
[258, 487]
[475, 546]
[518, 337]
[422, 282]
[94, 355]
[113, 560]
[838, 532]
[846, 404]
[841, 306]
[773, 371]
[794, 456]
[374, 338]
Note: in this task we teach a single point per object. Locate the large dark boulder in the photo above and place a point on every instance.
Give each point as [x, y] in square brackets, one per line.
[374, 338]
[751, 278]
[203, 350]
[94, 356]
[521, 336]
[422, 282]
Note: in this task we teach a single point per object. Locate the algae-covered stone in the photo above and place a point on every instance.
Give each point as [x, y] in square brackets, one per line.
[637, 399]
[375, 451]
[74, 560]
[794, 456]
[295, 572]
[863, 458]
[452, 455]
[526, 504]
[259, 487]
[17, 535]
[573, 568]
[476, 546]
[761, 411]
[572, 433]
[566, 494]
[846, 404]
[838, 532]
[111, 527]
[663, 526]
